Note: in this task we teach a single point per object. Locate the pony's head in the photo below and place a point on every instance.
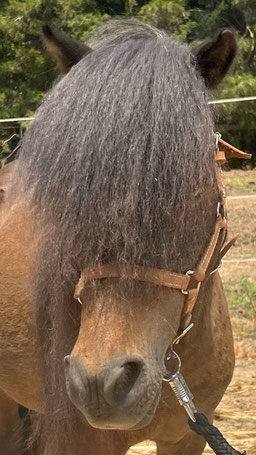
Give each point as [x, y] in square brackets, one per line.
[119, 169]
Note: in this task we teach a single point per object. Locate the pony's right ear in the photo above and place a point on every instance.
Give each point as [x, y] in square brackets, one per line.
[66, 51]
[215, 57]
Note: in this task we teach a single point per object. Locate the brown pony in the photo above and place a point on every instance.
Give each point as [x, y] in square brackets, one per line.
[117, 168]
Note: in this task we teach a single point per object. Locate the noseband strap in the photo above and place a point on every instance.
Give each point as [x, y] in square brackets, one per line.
[188, 283]
[150, 275]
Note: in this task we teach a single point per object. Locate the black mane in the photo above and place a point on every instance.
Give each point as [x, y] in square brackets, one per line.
[121, 150]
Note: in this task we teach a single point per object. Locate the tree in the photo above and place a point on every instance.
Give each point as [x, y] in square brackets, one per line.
[169, 15]
[26, 70]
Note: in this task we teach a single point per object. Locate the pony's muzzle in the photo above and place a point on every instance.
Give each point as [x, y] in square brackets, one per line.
[110, 394]
[121, 383]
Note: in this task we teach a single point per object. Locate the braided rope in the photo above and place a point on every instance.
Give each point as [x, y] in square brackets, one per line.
[212, 435]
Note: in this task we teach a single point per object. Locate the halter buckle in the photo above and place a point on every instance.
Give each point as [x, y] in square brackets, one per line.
[189, 272]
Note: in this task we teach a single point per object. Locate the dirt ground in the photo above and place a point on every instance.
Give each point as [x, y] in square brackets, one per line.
[236, 414]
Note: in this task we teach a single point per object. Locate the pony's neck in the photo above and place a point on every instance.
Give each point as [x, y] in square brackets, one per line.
[210, 311]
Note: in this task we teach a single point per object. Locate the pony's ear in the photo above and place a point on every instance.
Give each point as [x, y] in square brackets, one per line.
[66, 51]
[215, 57]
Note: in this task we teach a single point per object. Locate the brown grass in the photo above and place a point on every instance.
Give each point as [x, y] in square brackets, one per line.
[242, 219]
[240, 182]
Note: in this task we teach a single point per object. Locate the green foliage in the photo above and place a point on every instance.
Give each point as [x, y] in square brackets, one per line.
[169, 15]
[237, 120]
[27, 71]
[242, 295]
[4, 150]
[211, 16]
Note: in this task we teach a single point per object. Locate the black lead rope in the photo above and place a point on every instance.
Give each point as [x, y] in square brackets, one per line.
[212, 435]
[197, 421]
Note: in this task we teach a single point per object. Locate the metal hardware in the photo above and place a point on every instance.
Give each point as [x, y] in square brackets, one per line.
[189, 272]
[180, 388]
[216, 268]
[184, 292]
[185, 331]
[219, 214]
[218, 209]
[218, 136]
[171, 352]
[173, 355]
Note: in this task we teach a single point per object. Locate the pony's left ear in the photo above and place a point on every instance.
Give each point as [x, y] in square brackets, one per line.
[66, 51]
[215, 57]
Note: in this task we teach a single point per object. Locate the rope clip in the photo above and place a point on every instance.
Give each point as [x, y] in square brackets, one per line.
[180, 387]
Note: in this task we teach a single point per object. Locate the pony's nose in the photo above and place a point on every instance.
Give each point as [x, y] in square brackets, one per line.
[119, 384]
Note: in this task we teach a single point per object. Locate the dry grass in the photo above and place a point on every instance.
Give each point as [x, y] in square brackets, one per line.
[242, 219]
[239, 182]
[236, 414]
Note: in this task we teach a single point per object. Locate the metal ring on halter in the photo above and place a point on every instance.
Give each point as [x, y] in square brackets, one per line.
[168, 374]
[185, 331]
[218, 136]
[171, 352]
[218, 209]
[219, 214]
[184, 292]
[189, 272]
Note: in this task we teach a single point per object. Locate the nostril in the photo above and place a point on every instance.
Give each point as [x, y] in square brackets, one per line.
[127, 380]
[121, 381]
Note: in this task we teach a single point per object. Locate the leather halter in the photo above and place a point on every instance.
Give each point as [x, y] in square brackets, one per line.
[188, 283]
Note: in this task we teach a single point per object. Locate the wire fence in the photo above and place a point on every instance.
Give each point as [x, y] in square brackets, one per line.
[12, 129]
[16, 120]
[244, 196]
[222, 101]
[238, 261]
[233, 100]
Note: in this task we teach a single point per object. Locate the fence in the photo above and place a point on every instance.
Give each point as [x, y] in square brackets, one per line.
[9, 145]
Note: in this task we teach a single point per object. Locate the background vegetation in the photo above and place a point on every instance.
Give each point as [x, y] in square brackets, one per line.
[241, 295]
[27, 72]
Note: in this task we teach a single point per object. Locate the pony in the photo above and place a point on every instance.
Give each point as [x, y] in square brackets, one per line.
[117, 168]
